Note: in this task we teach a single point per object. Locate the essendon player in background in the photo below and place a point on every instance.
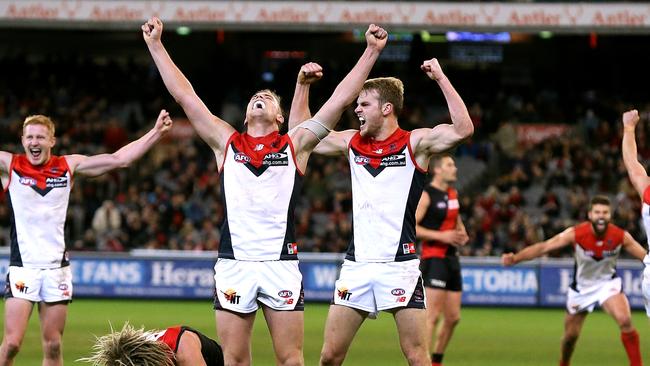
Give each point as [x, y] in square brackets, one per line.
[441, 230]
[37, 185]
[641, 182]
[597, 244]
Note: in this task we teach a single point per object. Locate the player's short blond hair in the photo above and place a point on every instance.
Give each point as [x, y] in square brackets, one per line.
[39, 119]
[130, 347]
[390, 90]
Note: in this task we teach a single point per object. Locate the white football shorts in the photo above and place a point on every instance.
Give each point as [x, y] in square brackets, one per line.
[587, 298]
[240, 285]
[48, 285]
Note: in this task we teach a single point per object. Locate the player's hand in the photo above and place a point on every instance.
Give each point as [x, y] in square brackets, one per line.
[310, 73]
[432, 69]
[630, 119]
[508, 259]
[164, 122]
[376, 37]
[152, 30]
[454, 237]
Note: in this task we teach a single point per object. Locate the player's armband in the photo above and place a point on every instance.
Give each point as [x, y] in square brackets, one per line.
[317, 128]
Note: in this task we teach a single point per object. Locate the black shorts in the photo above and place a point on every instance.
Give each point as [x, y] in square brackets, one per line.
[442, 273]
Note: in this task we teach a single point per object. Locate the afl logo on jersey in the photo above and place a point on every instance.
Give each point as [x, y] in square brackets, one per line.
[361, 160]
[242, 158]
[27, 181]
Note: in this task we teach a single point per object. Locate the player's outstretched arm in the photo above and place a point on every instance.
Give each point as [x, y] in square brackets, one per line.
[214, 131]
[635, 170]
[633, 247]
[99, 164]
[429, 141]
[309, 73]
[348, 89]
[5, 162]
[536, 250]
[457, 237]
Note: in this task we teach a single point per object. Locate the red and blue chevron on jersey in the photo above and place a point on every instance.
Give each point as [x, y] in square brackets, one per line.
[38, 198]
[386, 187]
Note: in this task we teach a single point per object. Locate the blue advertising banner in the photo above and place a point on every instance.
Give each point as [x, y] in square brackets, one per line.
[556, 277]
[190, 276]
[495, 285]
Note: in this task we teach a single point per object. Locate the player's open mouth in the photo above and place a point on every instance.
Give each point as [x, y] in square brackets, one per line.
[36, 152]
[362, 120]
[259, 104]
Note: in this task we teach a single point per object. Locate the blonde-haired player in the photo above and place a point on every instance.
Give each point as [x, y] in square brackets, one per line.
[37, 185]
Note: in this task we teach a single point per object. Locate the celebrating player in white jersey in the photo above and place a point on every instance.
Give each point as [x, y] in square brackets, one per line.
[641, 183]
[388, 167]
[38, 186]
[261, 174]
[597, 244]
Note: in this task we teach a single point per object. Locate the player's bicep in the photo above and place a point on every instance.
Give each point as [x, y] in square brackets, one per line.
[437, 139]
[560, 240]
[423, 205]
[5, 161]
[212, 129]
[633, 247]
[93, 165]
[335, 143]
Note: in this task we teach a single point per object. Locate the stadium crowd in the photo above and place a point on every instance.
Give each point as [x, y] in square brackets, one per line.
[171, 199]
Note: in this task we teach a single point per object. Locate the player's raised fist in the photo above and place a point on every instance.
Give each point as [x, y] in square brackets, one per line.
[508, 259]
[432, 69]
[164, 122]
[152, 30]
[630, 118]
[310, 73]
[376, 37]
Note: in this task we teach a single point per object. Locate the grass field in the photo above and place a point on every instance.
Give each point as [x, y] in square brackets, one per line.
[485, 336]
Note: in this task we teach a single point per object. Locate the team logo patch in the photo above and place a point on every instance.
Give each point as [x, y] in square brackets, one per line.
[343, 293]
[242, 158]
[27, 181]
[21, 287]
[285, 294]
[292, 248]
[231, 296]
[63, 286]
[441, 205]
[398, 292]
[408, 248]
